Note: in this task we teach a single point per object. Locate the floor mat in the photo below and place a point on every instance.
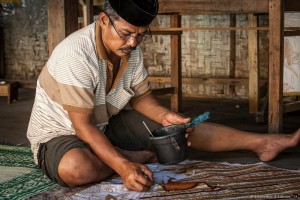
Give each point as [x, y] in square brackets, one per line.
[205, 180]
[19, 176]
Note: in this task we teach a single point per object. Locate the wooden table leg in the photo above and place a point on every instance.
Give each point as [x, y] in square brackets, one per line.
[276, 14]
[176, 98]
[253, 65]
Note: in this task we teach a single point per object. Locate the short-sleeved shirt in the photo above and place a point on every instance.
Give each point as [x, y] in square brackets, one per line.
[78, 78]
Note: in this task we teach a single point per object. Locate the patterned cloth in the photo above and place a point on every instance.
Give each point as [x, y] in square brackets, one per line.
[210, 180]
[19, 176]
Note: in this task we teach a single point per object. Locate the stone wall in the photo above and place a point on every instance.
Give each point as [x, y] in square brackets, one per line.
[25, 38]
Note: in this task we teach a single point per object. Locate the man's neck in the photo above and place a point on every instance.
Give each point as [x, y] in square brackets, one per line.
[113, 58]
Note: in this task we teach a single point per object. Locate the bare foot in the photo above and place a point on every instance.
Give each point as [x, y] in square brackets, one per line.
[273, 144]
[137, 156]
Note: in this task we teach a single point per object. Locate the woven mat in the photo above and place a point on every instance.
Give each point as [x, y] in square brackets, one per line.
[19, 176]
[206, 180]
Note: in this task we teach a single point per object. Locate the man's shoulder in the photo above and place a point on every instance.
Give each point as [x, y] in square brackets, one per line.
[79, 44]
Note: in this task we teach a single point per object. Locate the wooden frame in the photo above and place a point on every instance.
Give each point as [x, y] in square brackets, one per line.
[275, 9]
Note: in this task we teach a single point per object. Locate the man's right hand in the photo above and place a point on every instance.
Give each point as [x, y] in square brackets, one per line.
[136, 176]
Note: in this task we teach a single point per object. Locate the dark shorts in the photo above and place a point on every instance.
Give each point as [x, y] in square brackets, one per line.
[125, 130]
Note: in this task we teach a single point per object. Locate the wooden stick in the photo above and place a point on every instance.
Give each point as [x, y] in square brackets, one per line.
[210, 29]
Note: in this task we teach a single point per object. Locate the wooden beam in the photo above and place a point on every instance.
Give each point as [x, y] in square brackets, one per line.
[292, 33]
[253, 65]
[162, 91]
[23, 83]
[291, 94]
[292, 106]
[62, 21]
[195, 81]
[176, 98]
[189, 7]
[210, 29]
[276, 46]
[292, 28]
[165, 32]
[208, 81]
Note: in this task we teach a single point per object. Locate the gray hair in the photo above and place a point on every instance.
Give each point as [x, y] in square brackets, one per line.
[110, 11]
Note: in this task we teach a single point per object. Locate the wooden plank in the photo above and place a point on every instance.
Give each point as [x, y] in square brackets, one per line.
[275, 66]
[62, 21]
[188, 7]
[176, 98]
[253, 65]
[22, 83]
[232, 53]
[11, 1]
[162, 91]
[292, 28]
[292, 5]
[291, 94]
[292, 106]
[165, 32]
[210, 29]
[292, 33]
[208, 81]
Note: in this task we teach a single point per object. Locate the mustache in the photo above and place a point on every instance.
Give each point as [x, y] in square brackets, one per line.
[130, 48]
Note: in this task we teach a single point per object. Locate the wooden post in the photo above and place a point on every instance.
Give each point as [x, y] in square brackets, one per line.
[253, 65]
[90, 11]
[276, 18]
[232, 53]
[62, 21]
[176, 98]
[2, 69]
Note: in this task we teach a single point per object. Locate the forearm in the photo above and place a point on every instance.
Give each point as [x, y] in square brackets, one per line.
[150, 107]
[98, 142]
[102, 147]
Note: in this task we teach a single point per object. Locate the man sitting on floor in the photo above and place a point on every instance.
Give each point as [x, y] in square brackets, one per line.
[80, 130]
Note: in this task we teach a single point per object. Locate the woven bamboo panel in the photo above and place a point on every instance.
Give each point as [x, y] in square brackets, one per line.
[205, 53]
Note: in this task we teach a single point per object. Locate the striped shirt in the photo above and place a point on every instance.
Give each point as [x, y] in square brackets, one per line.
[77, 77]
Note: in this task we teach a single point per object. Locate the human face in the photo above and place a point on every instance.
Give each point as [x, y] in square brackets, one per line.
[121, 37]
[126, 37]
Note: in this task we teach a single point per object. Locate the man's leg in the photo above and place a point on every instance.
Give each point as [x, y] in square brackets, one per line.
[215, 138]
[126, 132]
[68, 161]
[80, 166]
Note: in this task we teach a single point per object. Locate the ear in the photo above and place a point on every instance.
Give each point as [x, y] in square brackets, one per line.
[103, 20]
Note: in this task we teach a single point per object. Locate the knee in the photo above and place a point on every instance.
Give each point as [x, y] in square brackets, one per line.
[74, 173]
[80, 167]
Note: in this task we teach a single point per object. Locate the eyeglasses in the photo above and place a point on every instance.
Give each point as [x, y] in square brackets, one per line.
[139, 38]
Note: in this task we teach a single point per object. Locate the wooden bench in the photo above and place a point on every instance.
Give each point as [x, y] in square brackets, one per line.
[10, 90]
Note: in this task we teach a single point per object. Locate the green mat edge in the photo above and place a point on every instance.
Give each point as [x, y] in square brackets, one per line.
[20, 196]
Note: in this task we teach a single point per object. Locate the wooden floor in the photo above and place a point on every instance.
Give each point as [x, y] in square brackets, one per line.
[233, 113]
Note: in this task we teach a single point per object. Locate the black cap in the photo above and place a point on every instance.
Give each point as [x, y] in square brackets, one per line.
[136, 12]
